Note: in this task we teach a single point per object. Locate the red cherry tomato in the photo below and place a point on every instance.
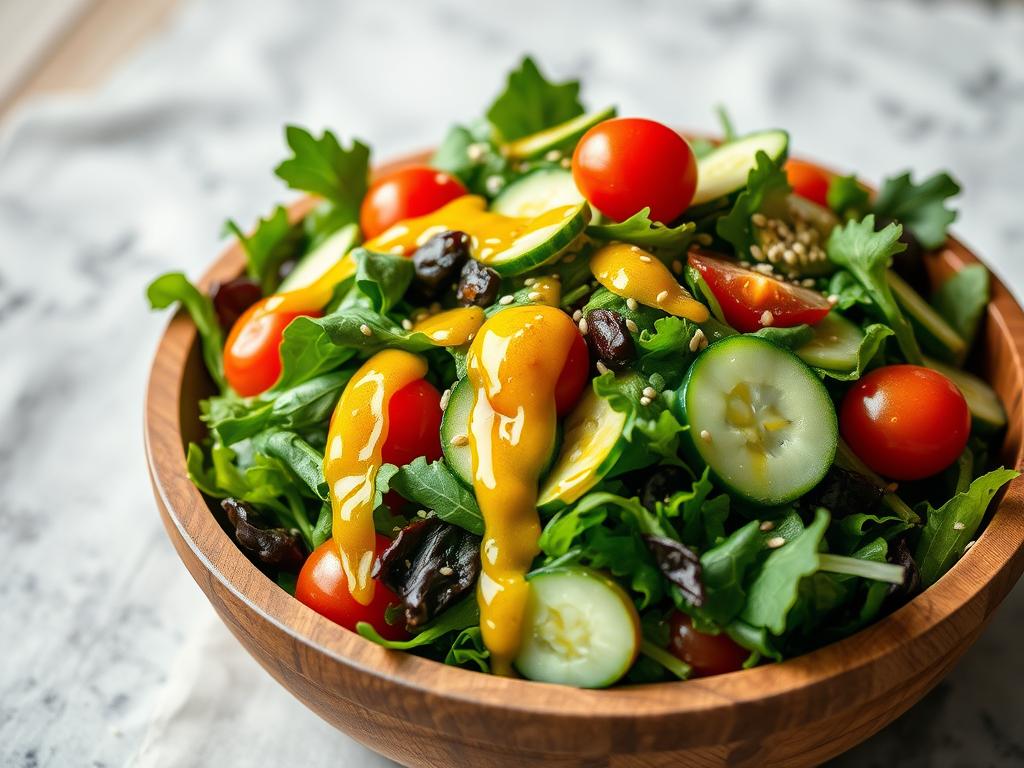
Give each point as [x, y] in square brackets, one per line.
[745, 296]
[905, 422]
[574, 376]
[252, 353]
[414, 424]
[808, 180]
[322, 586]
[627, 163]
[706, 654]
[409, 192]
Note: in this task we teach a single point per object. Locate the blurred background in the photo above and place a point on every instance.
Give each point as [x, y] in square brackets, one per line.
[130, 129]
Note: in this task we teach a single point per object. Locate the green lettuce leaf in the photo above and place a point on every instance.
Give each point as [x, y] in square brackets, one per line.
[725, 569]
[530, 103]
[468, 650]
[961, 300]
[174, 287]
[325, 168]
[433, 486]
[639, 230]
[273, 241]
[921, 208]
[460, 616]
[847, 197]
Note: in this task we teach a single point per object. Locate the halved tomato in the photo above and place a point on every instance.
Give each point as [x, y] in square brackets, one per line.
[751, 300]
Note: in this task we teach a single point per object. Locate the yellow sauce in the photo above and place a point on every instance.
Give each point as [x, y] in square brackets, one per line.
[513, 364]
[490, 233]
[451, 328]
[631, 273]
[358, 430]
[546, 290]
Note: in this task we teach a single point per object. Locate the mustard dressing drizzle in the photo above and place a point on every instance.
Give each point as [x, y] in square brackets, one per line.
[632, 273]
[453, 327]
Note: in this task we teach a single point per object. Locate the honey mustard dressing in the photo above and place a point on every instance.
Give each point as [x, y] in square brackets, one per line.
[357, 433]
[546, 290]
[631, 273]
[490, 233]
[513, 364]
[453, 327]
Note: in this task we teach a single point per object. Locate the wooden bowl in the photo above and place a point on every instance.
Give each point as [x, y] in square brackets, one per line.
[422, 713]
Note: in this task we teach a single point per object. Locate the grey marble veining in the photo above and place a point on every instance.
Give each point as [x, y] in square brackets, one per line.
[110, 655]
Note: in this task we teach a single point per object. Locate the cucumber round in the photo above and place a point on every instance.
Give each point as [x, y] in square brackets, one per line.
[537, 192]
[538, 245]
[759, 418]
[724, 170]
[558, 136]
[321, 259]
[987, 412]
[580, 628]
[835, 346]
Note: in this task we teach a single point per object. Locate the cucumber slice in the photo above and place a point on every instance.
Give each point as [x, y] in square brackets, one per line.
[835, 346]
[319, 261]
[724, 169]
[537, 192]
[934, 333]
[592, 444]
[455, 422]
[539, 244]
[759, 418]
[580, 628]
[556, 137]
[987, 412]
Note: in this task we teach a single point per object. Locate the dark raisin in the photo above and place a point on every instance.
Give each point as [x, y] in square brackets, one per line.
[428, 565]
[438, 262]
[609, 338]
[898, 594]
[479, 285]
[276, 547]
[232, 298]
[662, 484]
[680, 565]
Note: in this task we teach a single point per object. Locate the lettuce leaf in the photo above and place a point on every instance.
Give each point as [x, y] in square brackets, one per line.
[921, 208]
[531, 103]
[174, 287]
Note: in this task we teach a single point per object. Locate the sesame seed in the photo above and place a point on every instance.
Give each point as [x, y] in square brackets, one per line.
[529, 281]
[756, 252]
[407, 323]
[704, 239]
[705, 436]
[789, 257]
[645, 258]
[421, 513]
[471, 336]
[553, 156]
[968, 545]
[892, 487]
[365, 330]
[775, 542]
[650, 392]
[694, 343]
[833, 299]
[583, 326]
[533, 295]
[745, 264]
[767, 318]
[799, 249]
[444, 570]
[459, 440]
[565, 162]
[444, 398]
[602, 368]
[631, 326]
[758, 219]
[577, 315]
[661, 297]
[506, 300]
[958, 526]
[631, 304]
[807, 282]
[494, 184]
[476, 151]
[645, 400]
[677, 267]
[766, 526]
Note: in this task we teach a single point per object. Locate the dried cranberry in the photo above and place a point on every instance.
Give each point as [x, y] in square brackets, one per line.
[680, 565]
[479, 285]
[232, 298]
[276, 547]
[439, 260]
[609, 338]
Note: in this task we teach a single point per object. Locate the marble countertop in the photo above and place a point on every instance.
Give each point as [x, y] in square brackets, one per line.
[111, 655]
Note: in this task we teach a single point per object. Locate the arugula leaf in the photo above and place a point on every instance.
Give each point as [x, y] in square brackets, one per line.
[849, 291]
[724, 569]
[767, 187]
[848, 533]
[530, 103]
[434, 487]
[174, 287]
[460, 616]
[652, 430]
[961, 300]
[273, 241]
[775, 589]
[640, 230]
[567, 528]
[948, 528]
[469, 649]
[665, 351]
[701, 519]
[920, 207]
[322, 166]
[847, 197]
[754, 639]
[867, 255]
[383, 278]
[299, 456]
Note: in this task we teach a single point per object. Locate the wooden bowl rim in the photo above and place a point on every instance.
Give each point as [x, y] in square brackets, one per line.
[752, 696]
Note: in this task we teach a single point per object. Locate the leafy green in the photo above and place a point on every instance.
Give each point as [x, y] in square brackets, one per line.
[680, 669]
[530, 103]
[299, 456]
[793, 337]
[382, 278]
[847, 197]
[849, 292]
[322, 166]
[665, 351]
[948, 528]
[766, 187]
[699, 519]
[433, 486]
[920, 207]
[273, 241]
[460, 616]
[175, 287]
[468, 649]
[961, 300]
[640, 230]
[848, 533]
[724, 569]
[867, 255]
[874, 337]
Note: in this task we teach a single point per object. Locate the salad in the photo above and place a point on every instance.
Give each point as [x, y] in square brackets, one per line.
[585, 401]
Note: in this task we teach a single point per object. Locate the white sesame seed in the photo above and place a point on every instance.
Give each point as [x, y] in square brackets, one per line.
[661, 297]
[705, 436]
[470, 336]
[494, 184]
[506, 300]
[583, 326]
[756, 252]
[601, 368]
[476, 151]
[677, 267]
[833, 299]
[766, 526]
[968, 545]
[775, 542]
[631, 304]
[533, 295]
[444, 398]
[529, 281]
[789, 257]
[444, 570]
[407, 323]
[645, 400]
[694, 343]
[758, 219]
[459, 440]
[807, 282]
[553, 156]
[577, 315]
[799, 249]
[365, 330]
[645, 258]
[565, 162]
[704, 239]
[650, 392]
[892, 487]
[421, 513]
[767, 318]
[958, 526]
[631, 326]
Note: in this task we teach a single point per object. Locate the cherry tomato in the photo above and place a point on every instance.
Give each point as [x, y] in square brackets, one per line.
[414, 424]
[574, 376]
[905, 422]
[627, 163]
[252, 354]
[707, 654]
[403, 194]
[322, 586]
[808, 180]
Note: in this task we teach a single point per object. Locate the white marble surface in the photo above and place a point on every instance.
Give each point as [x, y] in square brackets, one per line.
[110, 654]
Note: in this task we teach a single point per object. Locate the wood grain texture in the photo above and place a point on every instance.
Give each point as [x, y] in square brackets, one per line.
[421, 713]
